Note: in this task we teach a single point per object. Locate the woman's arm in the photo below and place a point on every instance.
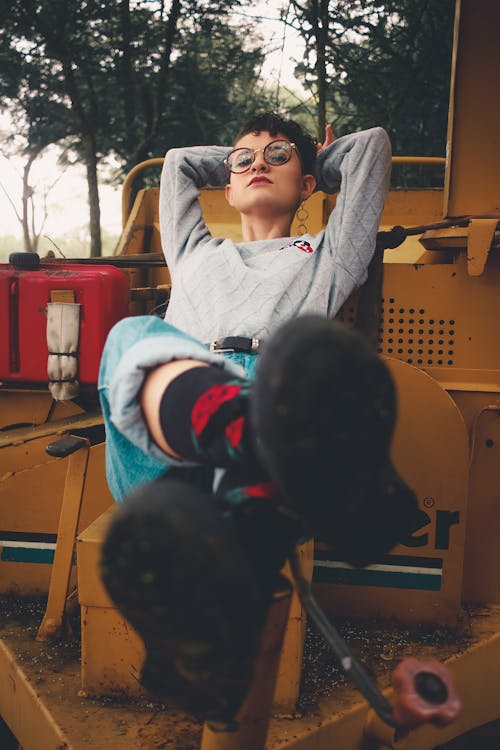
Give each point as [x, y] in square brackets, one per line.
[185, 172]
[360, 165]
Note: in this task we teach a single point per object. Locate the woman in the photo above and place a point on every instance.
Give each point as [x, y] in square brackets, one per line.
[303, 449]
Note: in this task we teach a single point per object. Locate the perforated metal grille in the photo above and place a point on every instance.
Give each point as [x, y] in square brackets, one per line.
[410, 333]
[348, 312]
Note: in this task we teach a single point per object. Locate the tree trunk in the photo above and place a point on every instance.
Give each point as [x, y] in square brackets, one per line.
[93, 193]
[54, 33]
[143, 150]
[27, 196]
[319, 23]
[90, 151]
[126, 75]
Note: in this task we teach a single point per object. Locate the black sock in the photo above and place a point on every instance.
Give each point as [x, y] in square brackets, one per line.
[203, 415]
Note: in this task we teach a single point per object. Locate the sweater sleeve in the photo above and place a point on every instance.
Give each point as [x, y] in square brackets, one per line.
[360, 163]
[185, 172]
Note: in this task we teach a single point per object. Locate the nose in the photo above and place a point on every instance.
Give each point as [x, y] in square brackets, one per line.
[259, 163]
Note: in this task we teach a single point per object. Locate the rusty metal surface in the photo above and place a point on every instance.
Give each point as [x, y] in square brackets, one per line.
[331, 713]
[18, 700]
[336, 718]
[53, 674]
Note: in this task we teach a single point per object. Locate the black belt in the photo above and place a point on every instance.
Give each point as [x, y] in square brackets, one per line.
[236, 344]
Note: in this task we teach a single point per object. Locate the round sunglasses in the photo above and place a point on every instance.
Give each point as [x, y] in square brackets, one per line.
[276, 153]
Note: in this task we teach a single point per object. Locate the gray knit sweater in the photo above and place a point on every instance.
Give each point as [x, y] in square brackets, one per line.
[222, 288]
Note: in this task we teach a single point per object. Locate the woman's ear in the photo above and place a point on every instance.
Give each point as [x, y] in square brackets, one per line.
[308, 186]
[227, 193]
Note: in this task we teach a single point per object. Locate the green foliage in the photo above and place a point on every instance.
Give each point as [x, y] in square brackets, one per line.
[214, 83]
[109, 68]
[387, 63]
[131, 78]
[31, 87]
[134, 78]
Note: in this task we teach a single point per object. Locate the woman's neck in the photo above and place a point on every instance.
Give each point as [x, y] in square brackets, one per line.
[265, 228]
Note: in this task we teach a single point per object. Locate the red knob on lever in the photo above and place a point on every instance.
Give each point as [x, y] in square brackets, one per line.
[424, 692]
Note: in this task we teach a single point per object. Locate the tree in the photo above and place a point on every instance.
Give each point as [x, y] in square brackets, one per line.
[34, 210]
[38, 121]
[70, 46]
[129, 78]
[214, 82]
[381, 63]
[211, 82]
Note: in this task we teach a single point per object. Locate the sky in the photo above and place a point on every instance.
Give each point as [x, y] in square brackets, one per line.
[67, 207]
[67, 201]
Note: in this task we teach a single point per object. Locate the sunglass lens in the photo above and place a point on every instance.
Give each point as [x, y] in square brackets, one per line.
[278, 152]
[240, 160]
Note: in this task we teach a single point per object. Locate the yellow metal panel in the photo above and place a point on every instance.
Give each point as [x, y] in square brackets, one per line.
[255, 714]
[18, 701]
[96, 494]
[52, 623]
[54, 676]
[222, 219]
[440, 319]
[413, 207]
[337, 722]
[481, 234]
[472, 185]
[478, 685]
[91, 591]
[31, 490]
[341, 721]
[129, 181]
[28, 406]
[112, 651]
[430, 449]
[482, 546]
[112, 654]
[290, 666]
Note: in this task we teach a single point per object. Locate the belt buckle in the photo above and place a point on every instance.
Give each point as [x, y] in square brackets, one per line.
[218, 350]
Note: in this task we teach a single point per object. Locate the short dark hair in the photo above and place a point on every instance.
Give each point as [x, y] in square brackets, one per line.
[273, 123]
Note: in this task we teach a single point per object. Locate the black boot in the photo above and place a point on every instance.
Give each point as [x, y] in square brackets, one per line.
[323, 412]
[195, 576]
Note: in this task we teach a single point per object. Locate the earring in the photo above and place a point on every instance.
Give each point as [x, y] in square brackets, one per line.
[302, 216]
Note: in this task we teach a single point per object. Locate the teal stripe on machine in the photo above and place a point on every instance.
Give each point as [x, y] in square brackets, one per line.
[385, 576]
[27, 555]
[27, 547]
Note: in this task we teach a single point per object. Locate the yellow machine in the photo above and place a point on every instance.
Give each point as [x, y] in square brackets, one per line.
[435, 319]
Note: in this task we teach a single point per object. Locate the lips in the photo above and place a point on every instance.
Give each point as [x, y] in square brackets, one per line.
[258, 180]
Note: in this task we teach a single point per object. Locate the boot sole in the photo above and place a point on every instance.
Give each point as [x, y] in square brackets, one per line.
[173, 566]
[323, 411]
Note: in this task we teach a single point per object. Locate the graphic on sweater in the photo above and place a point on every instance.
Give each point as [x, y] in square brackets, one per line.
[303, 245]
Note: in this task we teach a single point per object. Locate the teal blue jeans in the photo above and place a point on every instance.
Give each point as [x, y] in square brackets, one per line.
[134, 347]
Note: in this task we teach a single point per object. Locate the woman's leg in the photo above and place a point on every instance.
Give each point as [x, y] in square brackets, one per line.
[135, 347]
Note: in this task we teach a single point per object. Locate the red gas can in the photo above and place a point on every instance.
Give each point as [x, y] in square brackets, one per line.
[101, 291]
